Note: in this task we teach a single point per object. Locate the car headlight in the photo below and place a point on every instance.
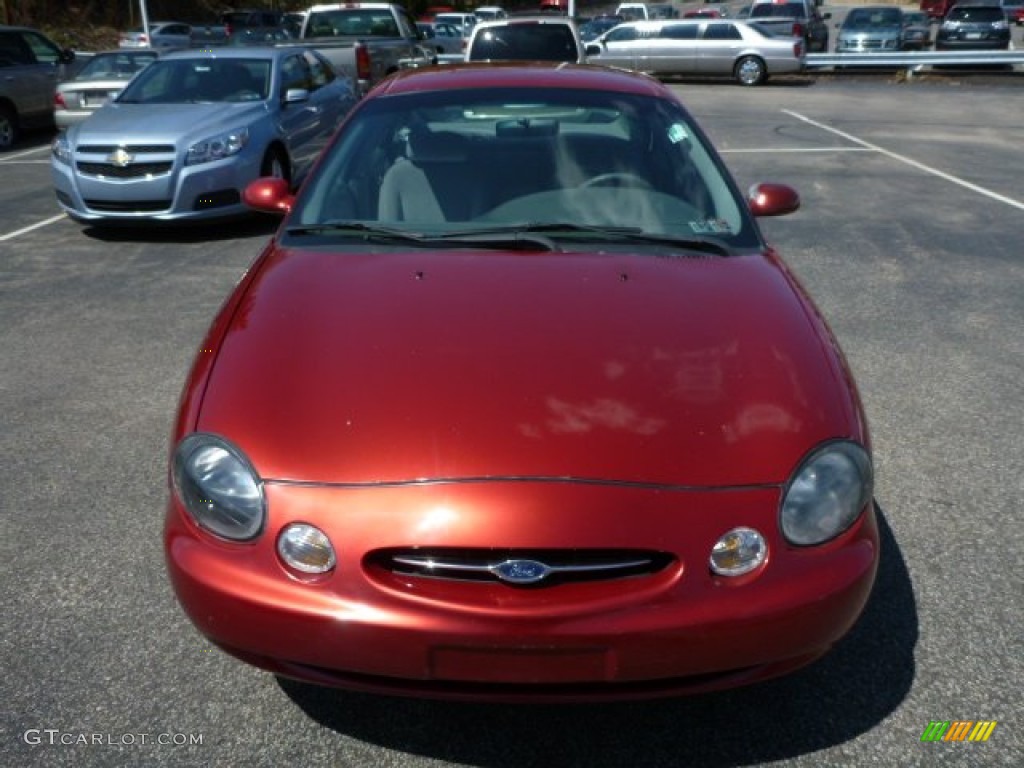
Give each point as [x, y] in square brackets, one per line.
[219, 487]
[61, 148]
[826, 494]
[217, 147]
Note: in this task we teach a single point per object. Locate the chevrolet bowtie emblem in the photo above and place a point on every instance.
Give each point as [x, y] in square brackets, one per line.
[120, 157]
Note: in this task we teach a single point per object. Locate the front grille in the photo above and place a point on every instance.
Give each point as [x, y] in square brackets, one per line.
[106, 149]
[541, 567]
[133, 171]
[131, 206]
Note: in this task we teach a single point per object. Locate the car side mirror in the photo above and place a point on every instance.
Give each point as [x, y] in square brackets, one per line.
[772, 199]
[593, 49]
[295, 95]
[269, 195]
[66, 56]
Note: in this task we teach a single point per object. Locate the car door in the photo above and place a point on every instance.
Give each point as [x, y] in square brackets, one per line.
[28, 68]
[301, 121]
[718, 47]
[619, 47]
[674, 50]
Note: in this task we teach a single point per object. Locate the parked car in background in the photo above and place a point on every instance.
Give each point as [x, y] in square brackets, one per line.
[162, 34]
[526, 38]
[870, 29]
[444, 38]
[31, 65]
[554, 6]
[699, 47]
[96, 83]
[187, 134]
[936, 9]
[706, 13]
[490, 13]
[794, 17]
[464, 21]
[597, 26]
[1014, 10]
[519, 404]
[975, 28]
[662, 11]
[917, 31]
[633, 11]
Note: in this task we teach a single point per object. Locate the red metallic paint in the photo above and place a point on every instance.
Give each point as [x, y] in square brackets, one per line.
[488, 399]
[476, 364]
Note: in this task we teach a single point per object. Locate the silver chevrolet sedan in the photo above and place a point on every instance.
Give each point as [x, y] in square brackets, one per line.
[187, 135]
[701, 47]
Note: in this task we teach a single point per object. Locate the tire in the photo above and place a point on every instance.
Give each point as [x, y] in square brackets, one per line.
[8, 127]
[275, 164]
[750, 70]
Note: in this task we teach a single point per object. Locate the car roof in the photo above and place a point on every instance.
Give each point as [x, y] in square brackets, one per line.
[230, 52]
[539, 18]
[521, 75]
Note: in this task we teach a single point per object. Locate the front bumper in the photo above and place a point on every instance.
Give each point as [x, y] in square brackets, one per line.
[162, 189]
[679, 630]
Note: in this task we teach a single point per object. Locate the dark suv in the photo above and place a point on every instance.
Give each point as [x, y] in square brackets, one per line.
[30, 66]
[974, 27]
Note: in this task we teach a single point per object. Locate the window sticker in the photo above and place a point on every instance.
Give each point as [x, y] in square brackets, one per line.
[677, 133]
[711, 227]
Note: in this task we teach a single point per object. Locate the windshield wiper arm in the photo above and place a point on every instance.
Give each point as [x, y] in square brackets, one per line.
[629, 234]
[509, 239]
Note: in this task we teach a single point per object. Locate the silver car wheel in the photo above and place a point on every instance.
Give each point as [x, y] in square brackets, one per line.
[750, 70]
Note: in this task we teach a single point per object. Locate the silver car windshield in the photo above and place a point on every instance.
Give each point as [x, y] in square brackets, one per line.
[461, 160]
[201, 80]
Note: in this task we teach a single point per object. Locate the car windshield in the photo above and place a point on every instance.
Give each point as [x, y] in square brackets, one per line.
[190, 81]
[114, 66]
[467, 161]
[873, 17]
[525, 42]
[976, 14]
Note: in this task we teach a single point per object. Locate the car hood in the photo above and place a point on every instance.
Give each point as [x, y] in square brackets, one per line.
[176, 124]
[360, 368]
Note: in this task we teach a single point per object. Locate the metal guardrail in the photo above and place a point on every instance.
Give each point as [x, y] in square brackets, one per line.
[915, 60]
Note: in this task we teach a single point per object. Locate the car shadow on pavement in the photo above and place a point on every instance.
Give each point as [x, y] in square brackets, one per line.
[845, 694]
[249, 226]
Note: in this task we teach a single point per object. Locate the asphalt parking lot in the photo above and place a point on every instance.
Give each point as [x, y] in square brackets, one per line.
[909, 239]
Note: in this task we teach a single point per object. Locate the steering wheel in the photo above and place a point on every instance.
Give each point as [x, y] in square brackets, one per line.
[617, 178]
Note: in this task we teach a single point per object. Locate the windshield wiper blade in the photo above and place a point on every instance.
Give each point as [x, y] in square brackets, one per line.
[509, 239]
[629, 234]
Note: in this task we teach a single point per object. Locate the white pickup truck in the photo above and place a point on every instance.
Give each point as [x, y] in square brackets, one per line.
[365, 41]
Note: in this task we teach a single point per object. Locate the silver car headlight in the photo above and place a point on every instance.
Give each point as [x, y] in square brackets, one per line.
[218, 487]
[61, 148]
[826, 494]
[217, 147]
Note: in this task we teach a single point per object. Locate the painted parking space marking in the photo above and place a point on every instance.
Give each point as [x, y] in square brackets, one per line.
[908, 161]
[37, 225]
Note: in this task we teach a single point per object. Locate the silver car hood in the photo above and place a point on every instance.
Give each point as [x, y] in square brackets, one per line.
[177, 124]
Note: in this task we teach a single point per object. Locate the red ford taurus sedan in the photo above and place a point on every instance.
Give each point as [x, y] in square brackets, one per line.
[519, 405]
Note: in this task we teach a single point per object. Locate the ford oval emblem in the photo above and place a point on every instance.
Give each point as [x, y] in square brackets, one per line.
[521, 571]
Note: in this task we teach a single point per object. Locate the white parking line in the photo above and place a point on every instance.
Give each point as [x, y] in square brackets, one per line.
[37, 225]
[906, 160]
[27, 152]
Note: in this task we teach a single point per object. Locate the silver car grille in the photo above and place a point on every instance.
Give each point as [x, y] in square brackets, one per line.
[522, 567]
